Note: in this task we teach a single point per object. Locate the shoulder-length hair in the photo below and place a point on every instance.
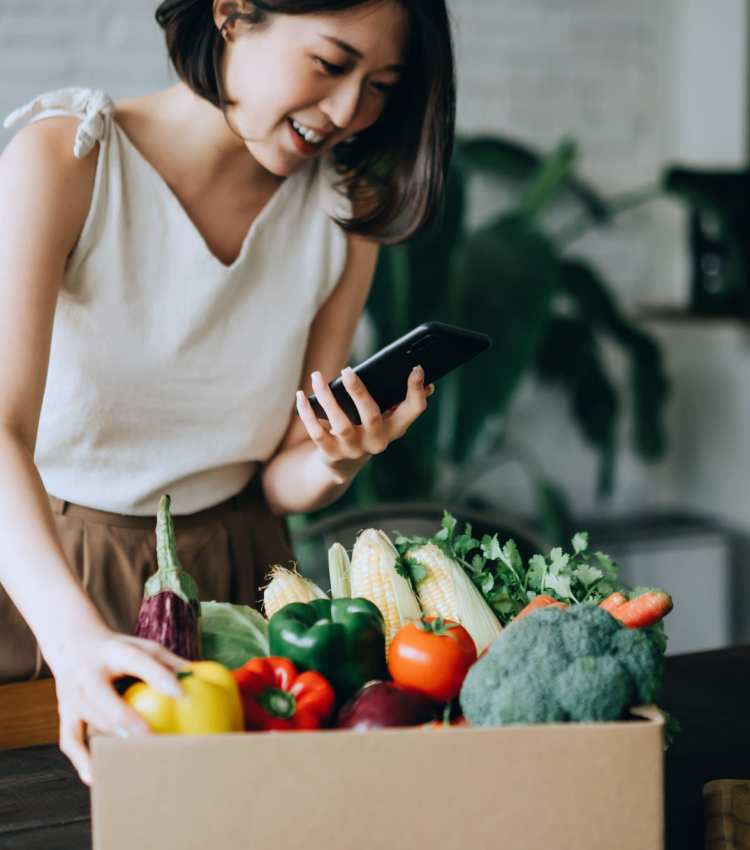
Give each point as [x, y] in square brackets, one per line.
[393, 172]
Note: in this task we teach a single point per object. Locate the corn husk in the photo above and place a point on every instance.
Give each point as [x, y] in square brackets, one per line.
[338, 572]
[447, 591]
[287, 586]
[373, 575]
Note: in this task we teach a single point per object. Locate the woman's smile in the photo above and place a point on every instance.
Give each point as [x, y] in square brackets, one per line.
[305, 141]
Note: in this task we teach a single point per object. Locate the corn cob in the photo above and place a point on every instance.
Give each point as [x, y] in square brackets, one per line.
[288, 586]
[338, 571]
[447, 591]
[373, 575]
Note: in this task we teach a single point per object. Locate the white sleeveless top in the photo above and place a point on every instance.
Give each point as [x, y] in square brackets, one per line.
[169, 371]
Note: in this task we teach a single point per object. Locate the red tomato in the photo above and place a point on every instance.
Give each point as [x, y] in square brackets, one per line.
[441, 724]
[432, 656]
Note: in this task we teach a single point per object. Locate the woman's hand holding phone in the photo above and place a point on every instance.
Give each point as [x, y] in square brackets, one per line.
[344, 446]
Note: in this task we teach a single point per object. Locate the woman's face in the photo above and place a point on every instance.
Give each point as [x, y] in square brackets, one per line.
[326, 76]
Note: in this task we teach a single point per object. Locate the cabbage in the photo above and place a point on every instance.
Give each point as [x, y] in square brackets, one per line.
[232, 634]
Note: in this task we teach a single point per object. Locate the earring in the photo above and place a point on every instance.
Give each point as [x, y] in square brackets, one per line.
[350, 140]
[231, 10]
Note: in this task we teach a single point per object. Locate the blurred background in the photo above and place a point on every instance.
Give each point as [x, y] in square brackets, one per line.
[596, 227]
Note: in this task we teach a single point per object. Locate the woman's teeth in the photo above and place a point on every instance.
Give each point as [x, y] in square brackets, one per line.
[310, 136]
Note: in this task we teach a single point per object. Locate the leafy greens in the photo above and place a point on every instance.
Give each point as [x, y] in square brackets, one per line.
[500, 574]
[231, 634]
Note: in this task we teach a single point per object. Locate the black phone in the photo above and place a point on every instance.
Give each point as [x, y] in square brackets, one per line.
[437, 347]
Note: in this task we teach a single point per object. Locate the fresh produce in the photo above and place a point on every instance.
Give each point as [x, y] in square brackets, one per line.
[288, 586]
[446, 723]
[644, 610]
[507, 584]
[445, 590]
[210, 702]
[382, 704]
[374, 575]
[543, 601]
[580, 664]
[432, 656]
[276, 697]
[231, 634]
[338, 572]
[343, 639]
[614, 600]
[170, 608]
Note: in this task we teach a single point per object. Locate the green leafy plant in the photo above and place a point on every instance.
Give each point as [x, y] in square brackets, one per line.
[499, 572]
[511, 274]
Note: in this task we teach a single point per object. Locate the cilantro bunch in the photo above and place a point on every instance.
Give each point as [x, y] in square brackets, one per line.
[505, 582]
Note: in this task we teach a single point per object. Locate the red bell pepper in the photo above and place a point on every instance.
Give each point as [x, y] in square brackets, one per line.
[275, 697]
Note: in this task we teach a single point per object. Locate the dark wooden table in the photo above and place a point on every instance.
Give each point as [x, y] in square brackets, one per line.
[43, 806]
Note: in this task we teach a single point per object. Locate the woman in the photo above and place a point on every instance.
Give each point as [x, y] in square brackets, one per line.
[176, 267]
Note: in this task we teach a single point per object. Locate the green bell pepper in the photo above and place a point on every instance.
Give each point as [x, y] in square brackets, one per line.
[343, 639]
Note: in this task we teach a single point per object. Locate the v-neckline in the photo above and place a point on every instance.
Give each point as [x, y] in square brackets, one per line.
[265, 210]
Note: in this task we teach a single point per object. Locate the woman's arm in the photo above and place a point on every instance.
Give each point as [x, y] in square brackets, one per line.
[44, 197]
[317, 461]
[43, 203]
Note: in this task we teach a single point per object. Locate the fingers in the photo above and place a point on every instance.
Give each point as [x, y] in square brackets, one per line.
[72, 745]
[341, 425]
[412, 407]
[338, 438]
[369, 412]
[112, 713]
[125, 658]
[161, 653]
[87, 695]
[315, 429]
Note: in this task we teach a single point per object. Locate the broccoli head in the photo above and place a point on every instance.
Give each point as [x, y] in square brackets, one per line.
[553, 665]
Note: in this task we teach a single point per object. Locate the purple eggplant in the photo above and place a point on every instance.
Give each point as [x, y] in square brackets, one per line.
[382, 704]
[170, 608]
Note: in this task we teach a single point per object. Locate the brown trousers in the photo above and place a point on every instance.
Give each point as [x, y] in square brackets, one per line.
[227, 549]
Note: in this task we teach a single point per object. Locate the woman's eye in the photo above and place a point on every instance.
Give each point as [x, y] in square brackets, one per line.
[330, 68]
[384, 88]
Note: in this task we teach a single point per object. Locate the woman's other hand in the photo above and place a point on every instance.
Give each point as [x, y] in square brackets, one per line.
[86, 695]
[345, 446]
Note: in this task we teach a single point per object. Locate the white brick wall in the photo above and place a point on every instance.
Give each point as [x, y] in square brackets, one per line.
[116, 46]
[631, 81]
[533, 69]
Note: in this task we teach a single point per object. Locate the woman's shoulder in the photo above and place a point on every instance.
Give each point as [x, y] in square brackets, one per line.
[44, 152]
[89, 110]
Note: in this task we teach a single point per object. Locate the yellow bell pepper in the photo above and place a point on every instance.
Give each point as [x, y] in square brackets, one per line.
[210, 702]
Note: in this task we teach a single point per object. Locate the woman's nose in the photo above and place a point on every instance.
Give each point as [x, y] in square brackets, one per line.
[342, 103]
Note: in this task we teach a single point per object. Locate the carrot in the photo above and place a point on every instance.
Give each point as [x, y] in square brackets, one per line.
[614, 600]
[644, 610]
[543, 601]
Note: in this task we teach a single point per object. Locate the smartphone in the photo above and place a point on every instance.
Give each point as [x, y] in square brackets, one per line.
[437, 347]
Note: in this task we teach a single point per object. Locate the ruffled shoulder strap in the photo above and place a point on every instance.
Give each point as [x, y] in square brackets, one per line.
[93, 106]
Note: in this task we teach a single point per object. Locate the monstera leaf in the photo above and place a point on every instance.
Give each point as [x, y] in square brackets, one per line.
[510, 274]
[508, 278]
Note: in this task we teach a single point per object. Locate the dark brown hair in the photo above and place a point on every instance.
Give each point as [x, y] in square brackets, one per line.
[394, 171]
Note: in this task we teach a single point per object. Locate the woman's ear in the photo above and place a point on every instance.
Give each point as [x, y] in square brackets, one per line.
[226, 14]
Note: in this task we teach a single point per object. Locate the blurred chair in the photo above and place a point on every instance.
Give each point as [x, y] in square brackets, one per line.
[423, 519]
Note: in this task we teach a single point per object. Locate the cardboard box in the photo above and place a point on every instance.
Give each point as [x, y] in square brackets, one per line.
[547, 787]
